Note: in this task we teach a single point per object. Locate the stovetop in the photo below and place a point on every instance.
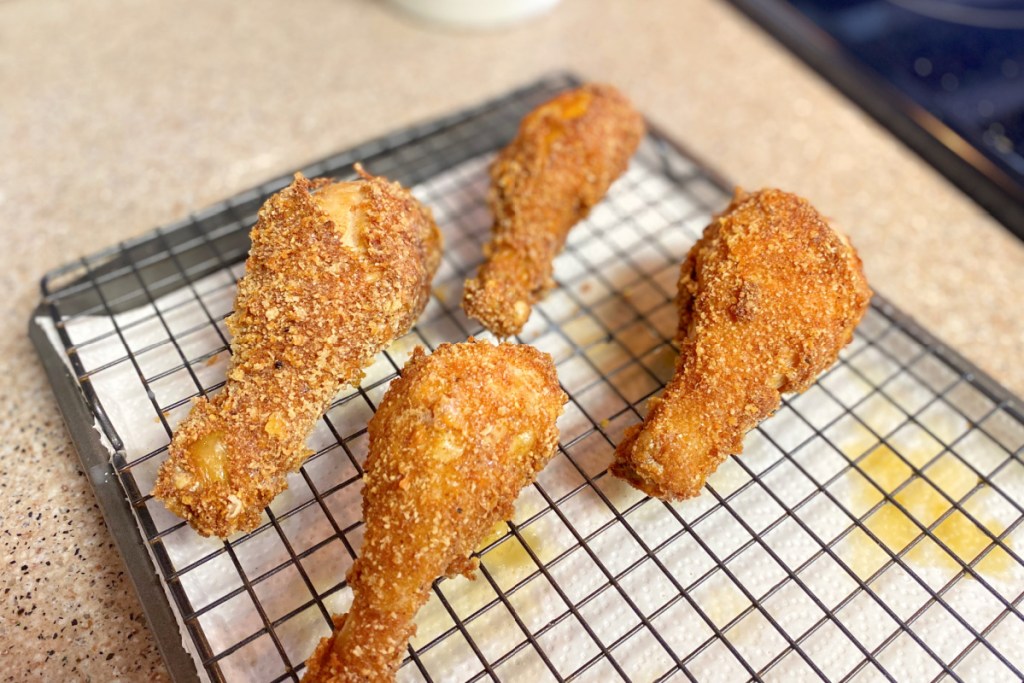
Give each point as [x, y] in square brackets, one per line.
[951, 69]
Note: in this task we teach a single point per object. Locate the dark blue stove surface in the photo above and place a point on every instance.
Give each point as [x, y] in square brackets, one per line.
[952, 68]
[962, 61]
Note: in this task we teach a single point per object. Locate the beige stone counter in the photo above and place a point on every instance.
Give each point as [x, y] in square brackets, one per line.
[116, 116]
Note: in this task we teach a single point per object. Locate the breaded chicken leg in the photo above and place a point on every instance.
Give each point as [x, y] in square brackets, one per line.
[767, 298]
[566, 155]
[451, 445]
[337, 270]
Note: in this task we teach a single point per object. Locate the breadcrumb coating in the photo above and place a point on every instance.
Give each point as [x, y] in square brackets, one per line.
[566, 155]
[451, 445]
[767, 298]
[335, 273]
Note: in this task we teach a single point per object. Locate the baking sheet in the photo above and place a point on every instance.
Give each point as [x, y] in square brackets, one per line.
[870, 530]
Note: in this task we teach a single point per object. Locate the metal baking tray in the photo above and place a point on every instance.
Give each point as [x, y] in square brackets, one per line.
[870, 531]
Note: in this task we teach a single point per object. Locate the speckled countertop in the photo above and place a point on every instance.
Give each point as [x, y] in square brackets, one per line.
[117, 116]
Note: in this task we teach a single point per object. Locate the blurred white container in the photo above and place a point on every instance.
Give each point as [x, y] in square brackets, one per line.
[476, 13]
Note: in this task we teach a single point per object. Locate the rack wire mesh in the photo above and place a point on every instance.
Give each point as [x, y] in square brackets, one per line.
[871, 530]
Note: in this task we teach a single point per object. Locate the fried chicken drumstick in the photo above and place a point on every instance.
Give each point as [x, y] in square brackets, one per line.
[451, 445]
[767, 298]
[566, 155]
[337, 270]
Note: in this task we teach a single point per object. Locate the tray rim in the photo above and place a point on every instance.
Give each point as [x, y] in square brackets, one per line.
[96, 459]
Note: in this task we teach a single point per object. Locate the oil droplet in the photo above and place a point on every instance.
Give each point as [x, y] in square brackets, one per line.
[497, 531]
[441, 294]
[923, 504]
[723, 603]
[511, 554]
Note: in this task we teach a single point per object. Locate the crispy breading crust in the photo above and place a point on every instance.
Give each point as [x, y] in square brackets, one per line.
[453, 442]
[335, 273]
[767, 298]
[566, 155]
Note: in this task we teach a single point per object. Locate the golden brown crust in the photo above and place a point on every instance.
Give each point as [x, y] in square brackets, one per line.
[453, 442]
[335, 273]
[566, 155]
[767, 298]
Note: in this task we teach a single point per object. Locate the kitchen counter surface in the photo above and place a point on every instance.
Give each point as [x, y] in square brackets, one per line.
[117, 116]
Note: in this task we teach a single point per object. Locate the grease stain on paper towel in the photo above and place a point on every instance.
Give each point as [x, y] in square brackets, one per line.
[923, 503]
[508, 557]
[511, 554]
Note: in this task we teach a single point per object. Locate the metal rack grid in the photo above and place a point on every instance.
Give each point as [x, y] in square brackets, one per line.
[810, 556]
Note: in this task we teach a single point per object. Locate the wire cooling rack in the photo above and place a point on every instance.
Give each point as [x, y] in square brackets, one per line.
[870, 531]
